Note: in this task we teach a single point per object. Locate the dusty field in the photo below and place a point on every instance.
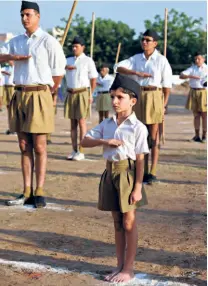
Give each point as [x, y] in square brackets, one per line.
[72, 234]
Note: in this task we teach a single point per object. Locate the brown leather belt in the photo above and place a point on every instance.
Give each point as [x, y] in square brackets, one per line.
[27, 88]
[149, 88]
[77, 90]
[200, 88]
[103, 92]
[9, 85]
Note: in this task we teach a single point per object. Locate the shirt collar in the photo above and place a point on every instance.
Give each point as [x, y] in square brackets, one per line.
[153, 55]
[132, 118]
[80, 56]
[37, 33]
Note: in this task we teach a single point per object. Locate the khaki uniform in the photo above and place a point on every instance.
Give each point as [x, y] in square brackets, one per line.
[103, 102]
[116, 185]
[32, 112]
[77, 104]
[8, 92]
[197, 100]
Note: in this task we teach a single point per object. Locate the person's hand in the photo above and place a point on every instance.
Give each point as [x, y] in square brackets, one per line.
[143, 74]
[194, 77]
[114, 143]
[54, 100]
[20, 57]
[135, 197]
[91, 100]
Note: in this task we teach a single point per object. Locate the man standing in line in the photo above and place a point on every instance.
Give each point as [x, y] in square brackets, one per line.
[197, 99]
[38, 70]
[154, 75]
[103, 99]
[81, 74]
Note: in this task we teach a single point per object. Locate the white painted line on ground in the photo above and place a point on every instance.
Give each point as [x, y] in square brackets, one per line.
[90, 160]
[65, 132]
[49, 206]
[141, 279]
[3, 173]
[183, 122]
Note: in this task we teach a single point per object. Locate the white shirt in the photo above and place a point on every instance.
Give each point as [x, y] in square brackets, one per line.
[131, 131]
[85, 70]
[197, 71]
[157, 65]
[47, 59]
[1, 76]
[106, 82]
[8, 79]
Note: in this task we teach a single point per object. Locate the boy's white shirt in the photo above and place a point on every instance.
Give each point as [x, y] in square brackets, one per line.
[197, 71]
[131, 131]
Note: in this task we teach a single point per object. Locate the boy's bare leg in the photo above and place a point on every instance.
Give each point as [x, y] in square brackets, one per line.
[120, 244]
[154, 132]
[197, 123]
[106, 114]
[82, 128]
[204, 124]
[130, 227]
[100, 116]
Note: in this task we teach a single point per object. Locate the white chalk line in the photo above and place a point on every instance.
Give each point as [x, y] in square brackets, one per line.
[30, 208]
[139, 279]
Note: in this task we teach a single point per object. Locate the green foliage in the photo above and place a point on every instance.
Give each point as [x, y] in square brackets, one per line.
[185, 37]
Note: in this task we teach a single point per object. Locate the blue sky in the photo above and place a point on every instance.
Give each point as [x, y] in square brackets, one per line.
[132, 13]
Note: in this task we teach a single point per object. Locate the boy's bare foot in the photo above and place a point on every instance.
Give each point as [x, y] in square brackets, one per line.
[123, 276]
[112, 274]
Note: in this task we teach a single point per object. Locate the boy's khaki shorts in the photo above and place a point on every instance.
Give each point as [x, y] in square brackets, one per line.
[149, 108]
[77, 105]
[103, 102]
[7, 94]
[31, 112]
[116, 185]
[197, 101]
[1, 91]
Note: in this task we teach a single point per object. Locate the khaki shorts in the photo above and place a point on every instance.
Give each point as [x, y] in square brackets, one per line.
[103, 102]
[149, 108]
[77, 105]
[7, 94]
[1, 91]
[197, 101]
[31, 112]
[116, 186]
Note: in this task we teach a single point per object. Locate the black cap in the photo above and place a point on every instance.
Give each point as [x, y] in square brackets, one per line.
[205, 84]
[126, 83]
[151, 33]
[29, 5]
[78, 40]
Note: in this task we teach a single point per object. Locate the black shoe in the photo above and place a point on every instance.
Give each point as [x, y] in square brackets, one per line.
[152, 179]
[49, 142]
[8, 132]
[40, 202]
[19, 201]
[196, 139]
[145, 178]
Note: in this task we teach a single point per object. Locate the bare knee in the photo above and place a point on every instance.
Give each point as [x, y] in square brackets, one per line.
[128, 224]
[25, 147]
[40, 148]
[118, 222]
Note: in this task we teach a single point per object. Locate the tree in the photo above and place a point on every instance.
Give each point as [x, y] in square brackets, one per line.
[185, 37]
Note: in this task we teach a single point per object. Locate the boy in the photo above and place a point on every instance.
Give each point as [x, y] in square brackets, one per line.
[124, 139]
[197, 99]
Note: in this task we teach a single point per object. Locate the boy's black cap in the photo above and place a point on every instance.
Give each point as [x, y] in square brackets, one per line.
[29, 5]
[126, 83]
[151, 33]
[78, 40]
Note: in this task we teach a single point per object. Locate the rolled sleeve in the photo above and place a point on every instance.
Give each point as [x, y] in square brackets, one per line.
[92, 69]
[57, 60]
[96, 132]
[167, 75]
[128, 64]
[188, 71]
[7, 48]
[141, 144]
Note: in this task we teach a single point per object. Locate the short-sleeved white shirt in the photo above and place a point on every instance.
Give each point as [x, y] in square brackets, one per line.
[131, 131]
[197, 71]
[47, 59]
[106, 82]
[8, 79]
[85, 70]
[157, 65]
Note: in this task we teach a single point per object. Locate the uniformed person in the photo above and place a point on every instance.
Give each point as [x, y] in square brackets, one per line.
[197, 99]
[1, 89]
[8, 89]
[81, 74]
[38, 70]
[124, 139]
[154, 75]
[103, 100]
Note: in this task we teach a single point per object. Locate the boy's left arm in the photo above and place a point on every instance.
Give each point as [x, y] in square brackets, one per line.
[136, 194]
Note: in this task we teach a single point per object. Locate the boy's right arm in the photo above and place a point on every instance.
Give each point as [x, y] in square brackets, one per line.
[88, 142]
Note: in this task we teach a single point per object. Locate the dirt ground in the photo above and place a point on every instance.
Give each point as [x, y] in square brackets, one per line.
[72, 234]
